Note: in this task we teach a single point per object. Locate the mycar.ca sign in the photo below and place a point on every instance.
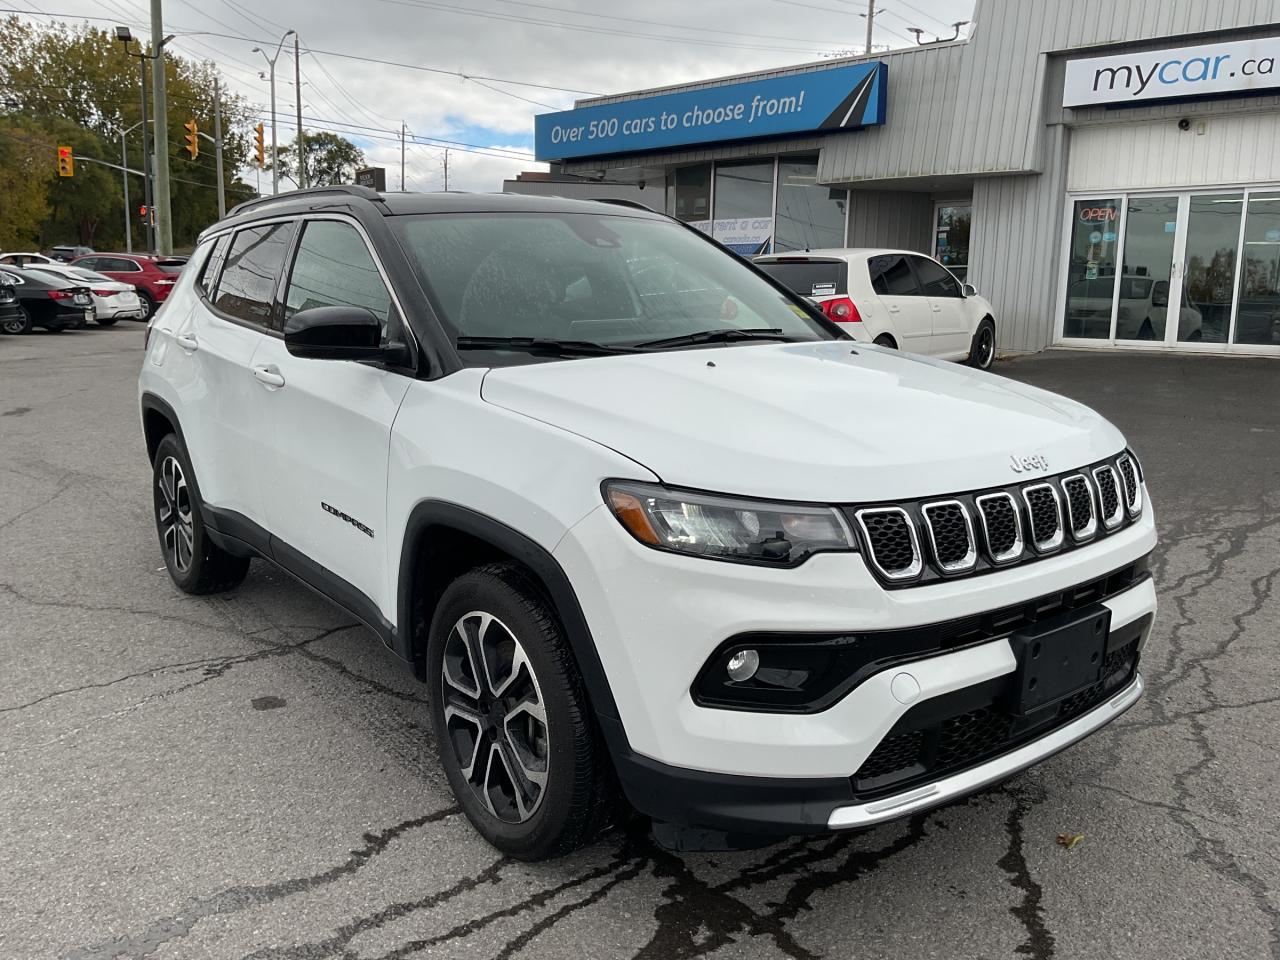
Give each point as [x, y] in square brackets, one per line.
[833, 99]
[1207, 69]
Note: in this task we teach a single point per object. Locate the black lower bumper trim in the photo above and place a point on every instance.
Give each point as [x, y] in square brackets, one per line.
[780, 806]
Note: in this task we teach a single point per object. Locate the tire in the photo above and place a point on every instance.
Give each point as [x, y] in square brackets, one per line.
[195, 563]
[148, 303]
[21, 324]
[884, 340]
[495, 748]
[106, 321]
[982, 351]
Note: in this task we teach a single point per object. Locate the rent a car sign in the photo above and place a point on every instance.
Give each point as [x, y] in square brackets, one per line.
[1207, 69]
[836, 98]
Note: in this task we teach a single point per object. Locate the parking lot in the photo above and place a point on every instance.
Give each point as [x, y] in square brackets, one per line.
[250, 775]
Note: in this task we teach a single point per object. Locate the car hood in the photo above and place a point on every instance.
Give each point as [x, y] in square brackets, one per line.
[817, 421]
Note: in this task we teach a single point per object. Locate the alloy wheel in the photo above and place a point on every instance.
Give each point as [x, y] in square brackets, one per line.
[495, 716]
[986, 347]
[177, 531]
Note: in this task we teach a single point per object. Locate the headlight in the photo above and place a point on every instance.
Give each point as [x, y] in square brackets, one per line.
[726, 528]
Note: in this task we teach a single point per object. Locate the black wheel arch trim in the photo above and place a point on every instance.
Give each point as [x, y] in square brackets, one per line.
[152, 403]
[539, 560]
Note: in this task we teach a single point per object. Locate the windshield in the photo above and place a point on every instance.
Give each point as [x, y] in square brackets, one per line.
[613, 280]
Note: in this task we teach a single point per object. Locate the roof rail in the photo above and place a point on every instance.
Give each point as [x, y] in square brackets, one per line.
[620, 202]
[349, 189]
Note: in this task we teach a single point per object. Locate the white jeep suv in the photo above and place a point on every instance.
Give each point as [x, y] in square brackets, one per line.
[571, 463]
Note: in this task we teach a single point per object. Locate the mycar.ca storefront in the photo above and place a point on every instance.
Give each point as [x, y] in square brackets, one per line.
[1106, 177]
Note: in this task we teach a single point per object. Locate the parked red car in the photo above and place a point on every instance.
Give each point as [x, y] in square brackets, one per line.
[153, 276]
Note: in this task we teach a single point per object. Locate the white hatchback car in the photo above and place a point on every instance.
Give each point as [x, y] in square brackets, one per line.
[896, 298]
[112, 300]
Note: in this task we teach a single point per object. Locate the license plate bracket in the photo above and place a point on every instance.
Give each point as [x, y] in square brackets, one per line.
[1059, 657]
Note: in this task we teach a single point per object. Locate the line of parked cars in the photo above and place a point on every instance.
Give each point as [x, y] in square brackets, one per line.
[81, 287]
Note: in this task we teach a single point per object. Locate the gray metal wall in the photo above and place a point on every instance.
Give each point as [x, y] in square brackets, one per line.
[890, 218]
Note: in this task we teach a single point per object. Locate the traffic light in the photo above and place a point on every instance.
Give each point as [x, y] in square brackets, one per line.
[260, 147]
[66, 162]
[142, 213]
[192, 138]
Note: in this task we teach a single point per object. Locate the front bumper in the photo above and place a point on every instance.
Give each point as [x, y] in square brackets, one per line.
[656, 618]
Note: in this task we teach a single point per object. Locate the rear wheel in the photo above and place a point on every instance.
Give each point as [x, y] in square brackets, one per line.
[195, 563]
[884, 340]
[148, 304]
[512, 719]
[19, 324]
[982, 351]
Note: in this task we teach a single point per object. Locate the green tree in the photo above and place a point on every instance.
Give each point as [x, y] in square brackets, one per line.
[80, 75]
[25, 174]
[329, 159]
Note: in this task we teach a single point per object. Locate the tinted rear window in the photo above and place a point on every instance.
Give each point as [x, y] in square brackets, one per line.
[809, 278]
[171, 266]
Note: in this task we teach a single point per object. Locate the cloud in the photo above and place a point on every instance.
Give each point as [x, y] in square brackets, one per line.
[582, 44]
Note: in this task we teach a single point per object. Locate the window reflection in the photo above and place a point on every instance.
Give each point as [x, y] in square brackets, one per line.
[1258, 313]
[1148, 268]
[810, 216]
[1213, 231]
[1091, 273]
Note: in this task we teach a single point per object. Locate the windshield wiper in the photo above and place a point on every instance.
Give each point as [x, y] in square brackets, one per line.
[567, 348]
[722, 335]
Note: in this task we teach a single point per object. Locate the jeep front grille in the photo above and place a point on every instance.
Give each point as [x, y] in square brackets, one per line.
[1080, 515]
[950, 535]
[1045, 509]
[923, 541]
[1001, 526]
[892, 544]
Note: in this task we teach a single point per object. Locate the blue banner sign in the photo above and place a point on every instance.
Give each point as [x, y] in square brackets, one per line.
[836, 99]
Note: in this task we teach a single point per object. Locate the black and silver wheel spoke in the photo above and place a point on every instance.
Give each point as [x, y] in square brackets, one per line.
[495, 716]
[177, 531]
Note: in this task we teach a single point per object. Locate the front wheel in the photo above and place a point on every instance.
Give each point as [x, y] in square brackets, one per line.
[196, 564]
[513, 723]
[982, 352]
[19, 324]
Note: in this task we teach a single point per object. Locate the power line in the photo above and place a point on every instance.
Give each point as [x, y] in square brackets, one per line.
[328, 53]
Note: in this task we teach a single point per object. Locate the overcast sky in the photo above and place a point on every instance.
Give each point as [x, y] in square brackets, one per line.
[603, 46]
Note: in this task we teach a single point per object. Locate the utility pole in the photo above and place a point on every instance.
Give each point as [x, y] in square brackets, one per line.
[217, 147]
[271, 62]
[871, 21]
[164, 215]
[446, 169]
[146, 163]
[402, 156]
[301, 144]
[124, 177]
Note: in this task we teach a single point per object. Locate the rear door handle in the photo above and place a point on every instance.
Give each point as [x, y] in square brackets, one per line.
[187, 342]
[269, 375]
[894, 308]
[936, 308]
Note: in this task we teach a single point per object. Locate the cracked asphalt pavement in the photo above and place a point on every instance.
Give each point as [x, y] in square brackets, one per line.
[250, 775]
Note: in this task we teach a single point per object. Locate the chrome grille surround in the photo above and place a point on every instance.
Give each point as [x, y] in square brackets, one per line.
[907, 572]
[1105, 477]
[1131, 485]
[1014, 551]
[931, 522]
[1082, 528]
[1053, 541]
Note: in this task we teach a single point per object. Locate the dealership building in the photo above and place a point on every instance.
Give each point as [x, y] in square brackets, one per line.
[1107, 174]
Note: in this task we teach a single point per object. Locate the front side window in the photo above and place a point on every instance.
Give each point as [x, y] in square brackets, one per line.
[246, 288]
[935, 281]
[607, 279]
[334, 267]
[891, 276]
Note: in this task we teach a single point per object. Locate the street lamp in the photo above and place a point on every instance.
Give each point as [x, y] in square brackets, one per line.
[271, 61]
[126, 37]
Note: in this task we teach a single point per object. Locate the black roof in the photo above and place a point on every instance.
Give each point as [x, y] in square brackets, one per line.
[395, 204]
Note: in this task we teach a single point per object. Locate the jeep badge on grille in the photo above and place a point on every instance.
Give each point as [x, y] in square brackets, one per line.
[1037, 461]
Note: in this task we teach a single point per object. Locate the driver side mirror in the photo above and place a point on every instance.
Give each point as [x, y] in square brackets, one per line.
[334, 333]
[1160, 294]
[968, 290]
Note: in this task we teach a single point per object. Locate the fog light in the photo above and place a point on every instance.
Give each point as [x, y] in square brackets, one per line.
[743, 665]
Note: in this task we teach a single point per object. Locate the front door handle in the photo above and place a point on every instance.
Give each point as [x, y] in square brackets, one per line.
[270, 375]
[187, 342]
[936, 308]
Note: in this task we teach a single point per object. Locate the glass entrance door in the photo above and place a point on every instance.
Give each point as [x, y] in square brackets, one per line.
[1193, 268]
[1150, 229]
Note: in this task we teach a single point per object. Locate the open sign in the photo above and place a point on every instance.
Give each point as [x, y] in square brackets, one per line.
[1099, 214]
